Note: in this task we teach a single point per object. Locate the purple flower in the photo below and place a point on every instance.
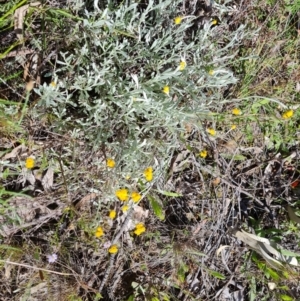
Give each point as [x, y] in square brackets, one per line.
[52, 258]
[107, 244]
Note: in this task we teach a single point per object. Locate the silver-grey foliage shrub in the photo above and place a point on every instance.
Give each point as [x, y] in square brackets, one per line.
[112, 78]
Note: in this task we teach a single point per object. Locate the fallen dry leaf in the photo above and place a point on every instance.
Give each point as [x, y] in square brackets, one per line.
[15, 152]
[216, 181]
[47, 180]
[19, 16]
[221, 249]
[86, 200]
[264, 247]
[29, 85]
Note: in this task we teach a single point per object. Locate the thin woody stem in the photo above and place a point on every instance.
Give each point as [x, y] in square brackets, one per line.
[112, 256]
[35, 268]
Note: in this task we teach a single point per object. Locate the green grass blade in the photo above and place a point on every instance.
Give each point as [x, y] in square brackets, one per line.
[157, 208]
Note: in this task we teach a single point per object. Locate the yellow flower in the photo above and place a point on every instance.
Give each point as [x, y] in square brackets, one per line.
[53, 84]
[122, 194]
[203, 153]
[182, 65]
[177, 20]
[127, 177]
[214, 22]
[211, 72]
[29, 163]
[236, 111]
[112, 214]
[148, 173]
[288, 114]
[113, 249]
[166, 90]
[139, 229]
[135, 196]
[110, 163]
[233, 127]
[125, 208]
[212, 132]
[99, 232]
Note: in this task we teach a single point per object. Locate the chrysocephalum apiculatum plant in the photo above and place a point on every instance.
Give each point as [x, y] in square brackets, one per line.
[135, 76]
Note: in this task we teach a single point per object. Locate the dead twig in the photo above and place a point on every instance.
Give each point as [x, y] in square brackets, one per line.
[239, 189]
[35, 268]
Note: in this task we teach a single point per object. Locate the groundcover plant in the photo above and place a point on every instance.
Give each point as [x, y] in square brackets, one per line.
[149, 150]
